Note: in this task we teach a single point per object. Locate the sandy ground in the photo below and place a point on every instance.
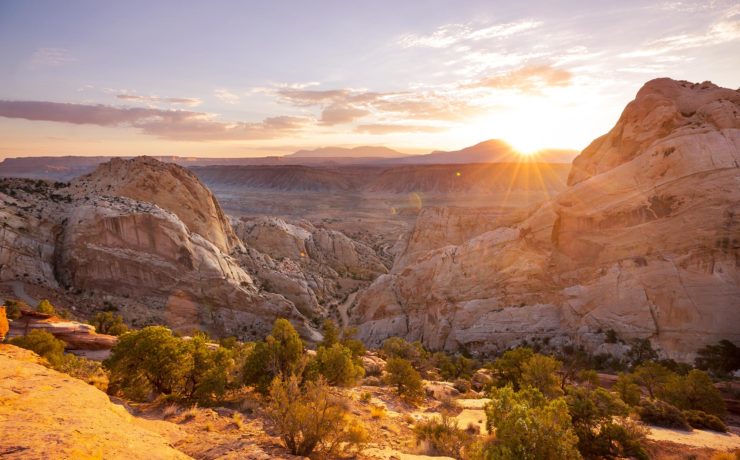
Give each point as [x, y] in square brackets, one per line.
[697, 438]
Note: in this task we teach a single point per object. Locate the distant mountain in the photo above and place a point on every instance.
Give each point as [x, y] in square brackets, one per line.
[490, 151]
[341, 152]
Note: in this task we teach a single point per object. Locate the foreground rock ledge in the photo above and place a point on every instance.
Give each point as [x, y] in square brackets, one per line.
[45, 414]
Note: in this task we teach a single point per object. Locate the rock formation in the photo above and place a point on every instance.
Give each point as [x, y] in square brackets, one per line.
[645, 241]
[46, 414]
[77, 336]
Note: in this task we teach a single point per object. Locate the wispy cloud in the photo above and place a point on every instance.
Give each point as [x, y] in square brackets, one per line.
[452, 34]
[384, 128]
[50, 57]
[527, 79]
[188, 101]
[168, 124]
[226, 96]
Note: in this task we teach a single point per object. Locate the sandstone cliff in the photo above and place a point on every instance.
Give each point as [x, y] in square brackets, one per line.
[645, 241]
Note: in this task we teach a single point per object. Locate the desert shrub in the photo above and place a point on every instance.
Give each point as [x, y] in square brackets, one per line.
[350, 340]
[13, 308]
[377, 412]
[402, 375]
[396, 347]
[701, 420]
[695, 391]
[462, 385]
[653, 377]
[599, 421]
[529, 426]
[453, 367]
[509, 367]
[108, 323]
[365, 397]
[540, 372]
[610, 336]
[4, 324]
[87, 370]
[309, 419]
[443, 436]
[720, 360]
[627, 389]
[46, 307]
[208, 377]
[280, 353]
[43, 344]
[337, 366]
[641, 350]
[331, 334]
[660, 413]
[148, 361]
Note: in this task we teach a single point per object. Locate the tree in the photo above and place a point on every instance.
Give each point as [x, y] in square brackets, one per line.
[14, 308]
[540, 372]
[509, 366]
[653, 377]
[151, 360]
[599, 421]
[641, 350]
[627, 389]
[208, 377]
[108, 323]
[349, 340]
[280, 353]
[43, 344]
[337, 366]
[720, 360]
[331, 334]
[528, 426]
[402, 375]
[308, 419]
[4, 325]
[46, 307]
[695, 391]
[397, 347]
[453, 367]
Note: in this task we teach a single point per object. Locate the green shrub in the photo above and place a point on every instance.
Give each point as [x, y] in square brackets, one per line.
[281, 353]
[443, 436]
[331, 334]
[208, 378]
[462, 385]
[337, 366]
[509, 367]
[46, 307]
[87, 370]
[653, 377]
[720, 360]
[627, 389]
[108, 323]
[599, 420]
[149, 361]
[396, 347]
[43, 344]
[402, 375]
[540, 372]
[14, 307]
[452, 368]
[660, 413]
[703, 421]
[695, 391]
[528, 426]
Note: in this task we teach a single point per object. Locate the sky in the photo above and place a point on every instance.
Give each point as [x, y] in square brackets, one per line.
[257, 78]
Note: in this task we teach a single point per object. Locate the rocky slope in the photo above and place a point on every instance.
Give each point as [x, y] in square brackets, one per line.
[46, 414]
[645, 241]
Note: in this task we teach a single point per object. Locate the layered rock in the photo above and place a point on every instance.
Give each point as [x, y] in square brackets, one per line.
[77, 336]
[644, 241]
[169, 186]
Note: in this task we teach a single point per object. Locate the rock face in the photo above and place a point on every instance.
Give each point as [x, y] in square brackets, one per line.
[77, 336]
[46, 414]
[169, 186]
[645, 241]
[307, 265]
[97, 242]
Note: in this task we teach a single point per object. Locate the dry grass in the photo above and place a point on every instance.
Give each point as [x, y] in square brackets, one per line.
[377, 412]
[238, 420]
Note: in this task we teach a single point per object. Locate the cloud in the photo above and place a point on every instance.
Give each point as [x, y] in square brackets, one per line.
[226, 96]
[188, 101]
[725, 30]
[337, 114]
[527, 79]
[452, 34]
[50, 57]
[167, 124]
[381, 128]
